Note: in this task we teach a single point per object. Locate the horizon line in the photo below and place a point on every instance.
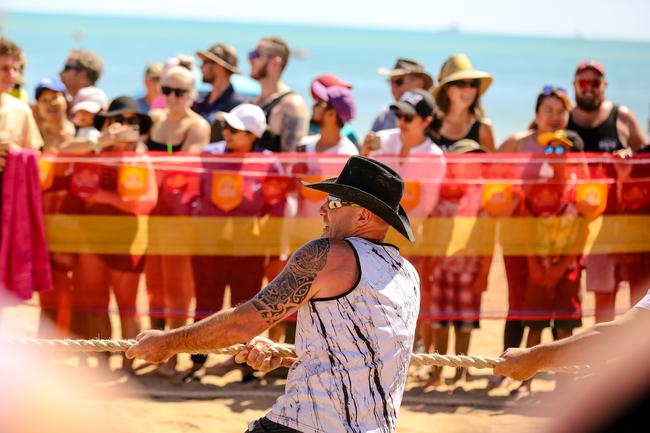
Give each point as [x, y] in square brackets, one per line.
[415, 29]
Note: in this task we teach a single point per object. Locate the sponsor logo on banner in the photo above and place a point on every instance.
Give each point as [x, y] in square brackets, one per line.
[274, 189]
[175, 182]
[497, 199]
[312, 194]
[591, 199]
[411, 196]
[132, 182]
[85, 179]
[46, 174]
[635, 196]
[227, 190]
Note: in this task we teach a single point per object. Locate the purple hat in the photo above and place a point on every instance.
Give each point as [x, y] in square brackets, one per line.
[338, 97]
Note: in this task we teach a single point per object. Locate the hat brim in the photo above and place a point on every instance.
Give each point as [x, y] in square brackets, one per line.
[485, 80]
[232, 121]
[404, 107]
[100, 119]
[548, 137]
[428, 80]
[206, 55]
[396, 219]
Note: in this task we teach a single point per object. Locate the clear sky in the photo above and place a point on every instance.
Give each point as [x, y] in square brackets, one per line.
[602, 19]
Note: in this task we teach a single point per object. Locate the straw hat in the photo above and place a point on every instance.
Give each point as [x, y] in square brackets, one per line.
[459, 67]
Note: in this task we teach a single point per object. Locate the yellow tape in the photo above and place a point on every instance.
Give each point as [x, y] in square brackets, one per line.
[260, 236]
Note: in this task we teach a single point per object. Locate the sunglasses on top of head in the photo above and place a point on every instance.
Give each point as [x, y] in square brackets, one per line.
[463, 84]
[585, 84]
[549, 90]
[166, 90]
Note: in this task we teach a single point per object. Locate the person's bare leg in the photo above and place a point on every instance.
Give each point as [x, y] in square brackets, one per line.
[441, 342]
[125, 287]
[605, 303]
[462, 338]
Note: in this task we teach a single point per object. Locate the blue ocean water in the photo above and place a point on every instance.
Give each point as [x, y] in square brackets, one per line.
[520, 65]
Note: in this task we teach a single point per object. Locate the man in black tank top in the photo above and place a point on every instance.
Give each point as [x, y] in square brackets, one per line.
[287, 114]
[602, 125]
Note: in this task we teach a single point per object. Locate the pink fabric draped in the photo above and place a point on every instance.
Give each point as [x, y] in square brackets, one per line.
[24, 258]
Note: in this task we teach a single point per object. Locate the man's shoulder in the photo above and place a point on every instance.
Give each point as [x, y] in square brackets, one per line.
[293, 100]
[332, 250]
[15, 104]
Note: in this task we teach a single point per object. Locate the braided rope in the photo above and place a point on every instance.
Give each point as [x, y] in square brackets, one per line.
[278, 350]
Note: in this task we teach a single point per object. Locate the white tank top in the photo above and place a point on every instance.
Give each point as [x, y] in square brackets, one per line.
[354, 349]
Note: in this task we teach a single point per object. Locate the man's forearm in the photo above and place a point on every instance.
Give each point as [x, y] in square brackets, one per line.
[221, 329]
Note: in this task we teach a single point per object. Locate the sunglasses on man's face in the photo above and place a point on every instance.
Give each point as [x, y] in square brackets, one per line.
[255, 54]
[68, 67]
[408, 118]
[585, 84]
[166, 90]
[398, 82]
[336, 203]
[464, 84]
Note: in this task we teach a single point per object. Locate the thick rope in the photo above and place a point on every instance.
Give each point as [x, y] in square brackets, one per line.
[278, 350]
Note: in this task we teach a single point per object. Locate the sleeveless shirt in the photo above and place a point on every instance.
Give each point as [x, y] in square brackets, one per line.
[354, 349]
[472, 134]
[601, 138]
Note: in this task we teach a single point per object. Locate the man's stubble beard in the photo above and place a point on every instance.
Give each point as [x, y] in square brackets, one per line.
[590, 104]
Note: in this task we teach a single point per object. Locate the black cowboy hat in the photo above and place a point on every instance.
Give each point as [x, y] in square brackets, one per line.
[120, 105]
[372, 185]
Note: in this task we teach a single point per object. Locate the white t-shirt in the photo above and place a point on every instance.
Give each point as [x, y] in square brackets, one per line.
[645, 302]
[391, 144]
[89, 132]
[343, 147]
[16, 119]
[426, 173]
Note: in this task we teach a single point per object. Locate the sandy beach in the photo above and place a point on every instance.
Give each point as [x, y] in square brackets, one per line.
[154, 404]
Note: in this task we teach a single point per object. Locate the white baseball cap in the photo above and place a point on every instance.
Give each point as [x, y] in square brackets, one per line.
[89, 106]
[245, 117]
[91, 94]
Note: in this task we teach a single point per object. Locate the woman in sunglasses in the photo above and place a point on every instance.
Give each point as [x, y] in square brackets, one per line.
[106, 189]
[551, 114]
[458, 98]
[176, 127]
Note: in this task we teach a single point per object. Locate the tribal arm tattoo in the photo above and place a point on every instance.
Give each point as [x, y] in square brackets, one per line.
[294, 128]
[291, 288]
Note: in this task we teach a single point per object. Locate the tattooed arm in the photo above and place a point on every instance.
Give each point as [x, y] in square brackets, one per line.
[321, 267]
[295, 122]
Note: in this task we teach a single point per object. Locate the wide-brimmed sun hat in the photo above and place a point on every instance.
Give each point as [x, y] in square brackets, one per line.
[405, 66]
[459, 67]
[371, 185]
[222, 54]
[121, 105]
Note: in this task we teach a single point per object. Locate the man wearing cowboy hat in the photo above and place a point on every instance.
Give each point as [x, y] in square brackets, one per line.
[219, 63]
[357, 301]
[407, 74]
